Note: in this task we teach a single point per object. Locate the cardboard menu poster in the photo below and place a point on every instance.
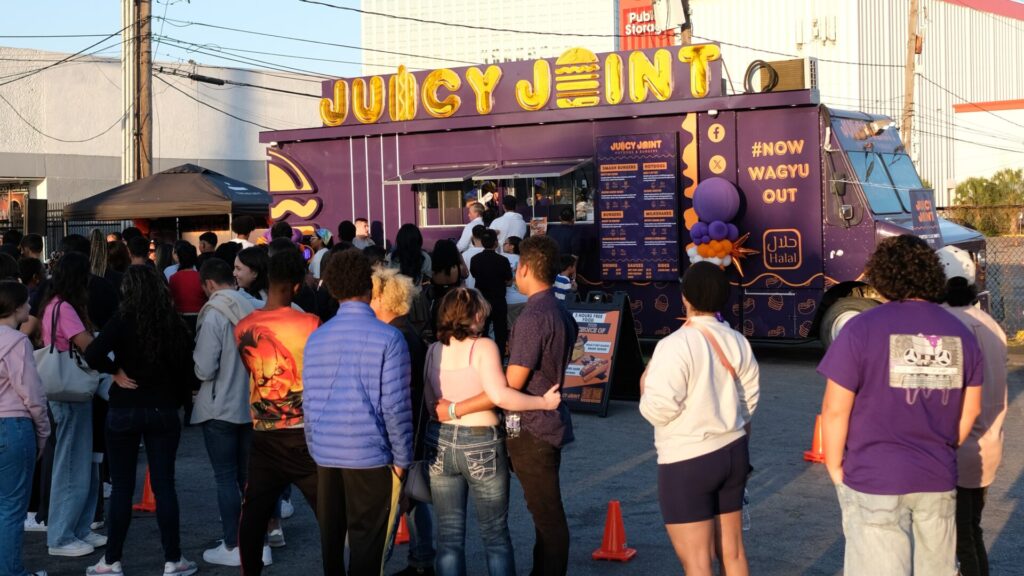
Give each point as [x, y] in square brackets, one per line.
[539, 226]
[638, 206]
[606, 353]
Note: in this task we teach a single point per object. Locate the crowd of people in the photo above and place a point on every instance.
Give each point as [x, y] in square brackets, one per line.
[401, 381]
[321, 362]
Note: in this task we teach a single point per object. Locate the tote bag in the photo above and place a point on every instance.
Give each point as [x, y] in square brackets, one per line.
[65, 376]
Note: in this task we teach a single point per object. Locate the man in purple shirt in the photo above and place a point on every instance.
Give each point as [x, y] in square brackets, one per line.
[903, 391]
[539, 348]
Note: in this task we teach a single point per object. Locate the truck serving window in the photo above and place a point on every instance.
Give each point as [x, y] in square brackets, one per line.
[903, 175]
[440, 204]
[874, 179]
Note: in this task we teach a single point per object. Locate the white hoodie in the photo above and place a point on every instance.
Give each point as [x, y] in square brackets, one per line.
[691, 399]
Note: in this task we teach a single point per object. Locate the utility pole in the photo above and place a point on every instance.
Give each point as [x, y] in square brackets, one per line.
[907, 125]
[145, 93]
[136, 75]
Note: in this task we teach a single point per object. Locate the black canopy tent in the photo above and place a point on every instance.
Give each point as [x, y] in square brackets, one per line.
[186, 190]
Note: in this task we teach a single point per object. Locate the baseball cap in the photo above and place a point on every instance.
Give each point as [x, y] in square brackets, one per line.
[957, 262]
[324, 234]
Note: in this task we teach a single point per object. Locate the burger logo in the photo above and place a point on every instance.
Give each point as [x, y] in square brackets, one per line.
[577, 82]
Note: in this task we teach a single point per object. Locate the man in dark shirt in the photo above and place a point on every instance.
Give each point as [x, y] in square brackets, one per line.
[493, 275]
[539, 348]
[566, 234]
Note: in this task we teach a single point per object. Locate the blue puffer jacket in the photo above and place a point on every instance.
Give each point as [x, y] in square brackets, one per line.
[356, 392]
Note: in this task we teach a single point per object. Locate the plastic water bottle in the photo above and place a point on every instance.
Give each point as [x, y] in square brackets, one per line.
[746, 510]
[512, 424]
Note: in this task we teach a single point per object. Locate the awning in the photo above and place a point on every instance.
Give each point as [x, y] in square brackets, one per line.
[438, 173]
[531, 169]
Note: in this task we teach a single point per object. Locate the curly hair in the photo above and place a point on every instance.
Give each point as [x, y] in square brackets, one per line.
[161, 333]
[348, 275]
[394, 289]
[461, 315]
[540, 255]
[905, 267]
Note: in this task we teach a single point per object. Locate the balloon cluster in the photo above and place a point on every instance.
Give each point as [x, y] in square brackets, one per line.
[713, 242]
[716, 201]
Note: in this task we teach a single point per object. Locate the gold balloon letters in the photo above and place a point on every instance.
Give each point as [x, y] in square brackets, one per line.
[573, 80]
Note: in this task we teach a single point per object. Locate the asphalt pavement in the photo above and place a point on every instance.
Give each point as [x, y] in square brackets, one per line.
[795, 523]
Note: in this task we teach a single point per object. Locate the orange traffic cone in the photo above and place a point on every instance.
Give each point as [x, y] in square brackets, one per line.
[816, 453]
[148, 503]
[613, 546]
[403, 531]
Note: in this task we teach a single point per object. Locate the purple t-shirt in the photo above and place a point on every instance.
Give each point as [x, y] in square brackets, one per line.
[907, 362]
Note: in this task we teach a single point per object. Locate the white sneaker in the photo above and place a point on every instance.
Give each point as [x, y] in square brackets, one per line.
[268, 559]
[32, 526]
[98, 525]
[182, 567]
[72, 549]
[95, 540]
[287, 509]
[101, 568]
[276, 538]
[223, 555]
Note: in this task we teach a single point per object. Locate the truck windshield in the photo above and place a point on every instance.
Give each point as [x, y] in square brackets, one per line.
[903, 175]
[874, 179]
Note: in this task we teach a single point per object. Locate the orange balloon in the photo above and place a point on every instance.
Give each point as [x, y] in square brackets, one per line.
[727, 246]
[704, 250]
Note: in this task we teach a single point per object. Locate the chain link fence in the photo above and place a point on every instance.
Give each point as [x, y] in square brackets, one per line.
[1004, 279]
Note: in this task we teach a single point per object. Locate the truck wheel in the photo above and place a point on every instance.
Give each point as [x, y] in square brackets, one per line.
[839, 314]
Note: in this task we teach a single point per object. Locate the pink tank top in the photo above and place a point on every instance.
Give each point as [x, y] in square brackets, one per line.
[460, 383]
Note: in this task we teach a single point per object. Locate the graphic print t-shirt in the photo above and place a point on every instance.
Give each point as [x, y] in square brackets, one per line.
[908, 364]
[271, 345]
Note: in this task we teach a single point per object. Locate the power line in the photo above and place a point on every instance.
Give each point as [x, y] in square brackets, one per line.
[213, 80]
[966, 101]
[192, 47]
[186, 23]
[38, 131]
[300, 57]
[61, 61]
[55, 36]
[212, 107]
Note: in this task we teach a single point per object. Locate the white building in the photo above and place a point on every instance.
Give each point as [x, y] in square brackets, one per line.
[973, 52]
[62, 127]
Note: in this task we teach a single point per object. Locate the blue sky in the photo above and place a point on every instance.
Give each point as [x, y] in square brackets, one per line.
[281, 17]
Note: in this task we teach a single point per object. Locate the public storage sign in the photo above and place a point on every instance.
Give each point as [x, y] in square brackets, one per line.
[578, 78]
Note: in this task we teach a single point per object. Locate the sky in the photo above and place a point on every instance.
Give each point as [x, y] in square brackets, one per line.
[280, 17]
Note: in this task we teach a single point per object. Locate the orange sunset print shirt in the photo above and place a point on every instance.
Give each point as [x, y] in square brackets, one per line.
[271, 345]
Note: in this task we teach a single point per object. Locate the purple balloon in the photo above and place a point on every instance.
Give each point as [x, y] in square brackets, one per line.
[734, 233]
[699, 230]
[716, 199]
[718, 230]
[705, 239]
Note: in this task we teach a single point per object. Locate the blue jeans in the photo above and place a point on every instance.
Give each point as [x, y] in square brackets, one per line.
[421, 536]
[227, 444]
[899, 535]
[469, 461]
[75, 486]
[17, 461]
[161, 430]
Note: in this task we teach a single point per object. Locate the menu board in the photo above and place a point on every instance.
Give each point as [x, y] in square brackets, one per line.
[607, 352]
[924, 218]
[638, 206]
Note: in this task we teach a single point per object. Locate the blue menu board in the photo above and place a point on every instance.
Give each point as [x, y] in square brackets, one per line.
[638, 206]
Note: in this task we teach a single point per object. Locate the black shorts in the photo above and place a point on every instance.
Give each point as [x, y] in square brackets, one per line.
[706, 486]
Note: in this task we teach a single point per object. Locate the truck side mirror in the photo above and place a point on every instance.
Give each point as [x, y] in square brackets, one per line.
[839, 184]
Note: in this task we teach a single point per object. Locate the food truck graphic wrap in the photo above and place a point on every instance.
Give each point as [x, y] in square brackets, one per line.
[658, 165]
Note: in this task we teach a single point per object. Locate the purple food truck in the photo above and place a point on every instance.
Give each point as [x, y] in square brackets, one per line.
[656, 165]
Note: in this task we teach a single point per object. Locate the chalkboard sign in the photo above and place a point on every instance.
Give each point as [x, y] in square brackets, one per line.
[638, 207]
[606, 360]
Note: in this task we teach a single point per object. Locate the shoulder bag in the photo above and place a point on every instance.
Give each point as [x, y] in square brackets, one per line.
[65, 375]
[417, 478]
